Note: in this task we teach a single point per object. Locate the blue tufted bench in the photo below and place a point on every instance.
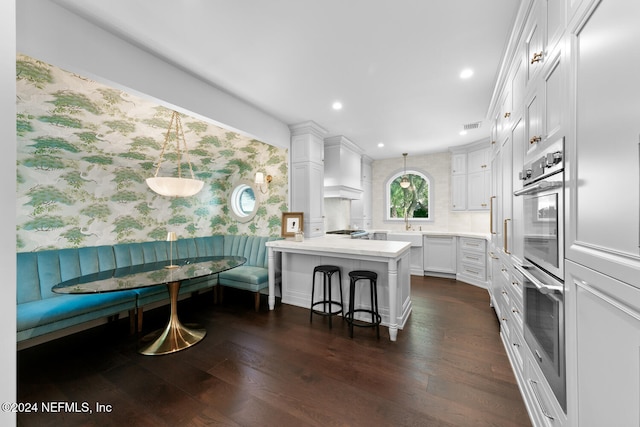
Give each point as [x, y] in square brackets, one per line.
[42, 313]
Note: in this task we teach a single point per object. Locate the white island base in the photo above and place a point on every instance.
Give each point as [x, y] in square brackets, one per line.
[390, 260]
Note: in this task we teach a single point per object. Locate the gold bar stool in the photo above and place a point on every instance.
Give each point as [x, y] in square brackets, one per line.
[376, 319]
[327, 302]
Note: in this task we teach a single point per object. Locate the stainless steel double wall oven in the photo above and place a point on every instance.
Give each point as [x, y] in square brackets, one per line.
[543, 269]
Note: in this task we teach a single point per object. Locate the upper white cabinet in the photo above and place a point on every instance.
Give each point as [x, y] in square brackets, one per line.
[478, 160]
[471, 177]
[307, 175]
[458, 163]
[362, 209]
[459, 192]
[478, 189]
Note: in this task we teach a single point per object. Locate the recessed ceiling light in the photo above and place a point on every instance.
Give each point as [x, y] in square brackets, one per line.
[337, 105]
[463, 132]
[465, 74]
[380, 145]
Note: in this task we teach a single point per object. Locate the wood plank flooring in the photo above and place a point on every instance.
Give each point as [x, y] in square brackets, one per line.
[447, 368]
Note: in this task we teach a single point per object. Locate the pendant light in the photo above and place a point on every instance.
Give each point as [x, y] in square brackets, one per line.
[404, 182]
[172, 186]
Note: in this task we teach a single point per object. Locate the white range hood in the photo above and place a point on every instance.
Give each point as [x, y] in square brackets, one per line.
[342, 168]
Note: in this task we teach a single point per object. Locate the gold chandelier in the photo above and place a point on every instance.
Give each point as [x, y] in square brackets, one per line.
[175, 186]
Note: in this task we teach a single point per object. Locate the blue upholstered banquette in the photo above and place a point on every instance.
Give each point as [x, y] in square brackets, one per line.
[41, 311]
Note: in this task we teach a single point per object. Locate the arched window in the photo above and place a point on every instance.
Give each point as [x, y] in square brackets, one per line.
[413, 202]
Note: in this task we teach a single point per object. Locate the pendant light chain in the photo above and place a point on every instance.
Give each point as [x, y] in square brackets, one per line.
[179, 131]
[186, 151]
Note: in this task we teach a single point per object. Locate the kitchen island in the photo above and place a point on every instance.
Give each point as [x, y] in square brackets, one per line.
[390, 260]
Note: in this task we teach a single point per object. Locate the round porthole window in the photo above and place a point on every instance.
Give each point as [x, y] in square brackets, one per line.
[243, 202]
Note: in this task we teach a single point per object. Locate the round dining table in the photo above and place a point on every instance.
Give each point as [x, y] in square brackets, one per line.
[174, 336]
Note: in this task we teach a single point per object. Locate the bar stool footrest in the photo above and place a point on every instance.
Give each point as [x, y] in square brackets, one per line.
[349, 318]
[330, 304]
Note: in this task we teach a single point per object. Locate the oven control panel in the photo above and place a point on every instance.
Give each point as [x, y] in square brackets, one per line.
[548, 164]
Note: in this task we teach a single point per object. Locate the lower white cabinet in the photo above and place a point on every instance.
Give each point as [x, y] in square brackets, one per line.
[440, 255]
[603, 348]
[472, 261]
[415, 257]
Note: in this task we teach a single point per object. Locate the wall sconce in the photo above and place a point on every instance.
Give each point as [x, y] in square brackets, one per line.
[262, 180]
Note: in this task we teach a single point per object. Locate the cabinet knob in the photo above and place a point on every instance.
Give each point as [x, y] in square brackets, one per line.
[507, 115]
[537, 57]
[535, 139]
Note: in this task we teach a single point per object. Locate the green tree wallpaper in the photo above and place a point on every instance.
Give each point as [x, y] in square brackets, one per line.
[85, 150]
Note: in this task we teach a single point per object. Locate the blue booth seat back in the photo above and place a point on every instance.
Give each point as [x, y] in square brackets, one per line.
[27, 273]
[253, 249]
[185, 248]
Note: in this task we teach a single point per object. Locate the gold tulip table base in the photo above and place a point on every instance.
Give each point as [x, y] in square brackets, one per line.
[175, 336]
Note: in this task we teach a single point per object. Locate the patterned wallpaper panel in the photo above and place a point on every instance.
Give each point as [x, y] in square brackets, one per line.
[85, 150]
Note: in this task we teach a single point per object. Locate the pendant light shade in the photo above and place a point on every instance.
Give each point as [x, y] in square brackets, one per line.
[175, 186]
[404, 182]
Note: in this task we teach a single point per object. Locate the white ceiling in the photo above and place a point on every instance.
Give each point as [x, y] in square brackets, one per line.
[394, 65]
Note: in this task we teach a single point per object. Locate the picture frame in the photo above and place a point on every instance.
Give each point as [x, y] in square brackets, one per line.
[292, 222]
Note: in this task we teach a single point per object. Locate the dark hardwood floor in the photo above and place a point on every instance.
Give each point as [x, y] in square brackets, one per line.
[447, 368]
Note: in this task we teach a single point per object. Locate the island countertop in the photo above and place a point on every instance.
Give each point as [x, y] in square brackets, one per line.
[344, 245]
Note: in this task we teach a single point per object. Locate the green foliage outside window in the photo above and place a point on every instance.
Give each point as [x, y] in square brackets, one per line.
[413, 200]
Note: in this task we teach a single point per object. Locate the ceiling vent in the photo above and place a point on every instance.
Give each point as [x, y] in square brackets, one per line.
[470, 126]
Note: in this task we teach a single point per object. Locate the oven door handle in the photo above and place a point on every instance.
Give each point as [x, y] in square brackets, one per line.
[542, 287]
[538, 187]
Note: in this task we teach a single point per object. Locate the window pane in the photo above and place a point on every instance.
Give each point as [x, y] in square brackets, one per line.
[247, 201]
[412, 201]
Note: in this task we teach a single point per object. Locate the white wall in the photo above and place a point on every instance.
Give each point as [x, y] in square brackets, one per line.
[8, 225]
[50, 33]
[438, 165]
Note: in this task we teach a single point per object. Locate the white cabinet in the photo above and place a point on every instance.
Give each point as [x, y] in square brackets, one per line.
[459, 192]
[604, 203]
[307, 175]
[440, 255]
[603, 348]
[478, 160]
[602, 271]
[478, 190]
[362, 209]
[472, 261]
[458, 164]
[557, 72]
[459, 181]
[471, 177]
[478, 179]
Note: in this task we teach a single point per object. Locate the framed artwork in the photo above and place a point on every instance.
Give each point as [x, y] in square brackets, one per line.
[291, 223]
